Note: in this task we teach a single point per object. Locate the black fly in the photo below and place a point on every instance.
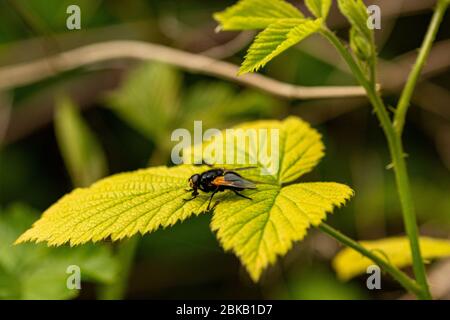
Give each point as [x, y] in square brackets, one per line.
[217, 180]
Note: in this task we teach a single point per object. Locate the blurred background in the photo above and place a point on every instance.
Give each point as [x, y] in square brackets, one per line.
[71, 129]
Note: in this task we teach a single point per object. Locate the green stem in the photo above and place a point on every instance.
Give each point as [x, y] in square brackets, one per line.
[398, 162]
[408, 283]
[125, 255]
[408, 90]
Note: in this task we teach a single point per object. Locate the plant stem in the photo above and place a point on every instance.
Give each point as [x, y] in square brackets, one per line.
[408, 283]
[125, 256]
[408, 90]
[398, 161]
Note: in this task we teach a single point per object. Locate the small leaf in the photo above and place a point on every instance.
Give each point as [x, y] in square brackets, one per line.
[360, 46]
[275, 39]
[82, 153]
[256, 14]
[260, 230]
[319, 8]
[148, 99]
[349, 263]
[361, 36]
[356, 13]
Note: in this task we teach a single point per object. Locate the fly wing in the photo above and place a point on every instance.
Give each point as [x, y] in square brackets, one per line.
[232, 179]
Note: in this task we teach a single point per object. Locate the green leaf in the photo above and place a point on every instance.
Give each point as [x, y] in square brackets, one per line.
[148, 99]
[119, 206]
[275, 39]
[319, 8]
[206, 101]
[359, 45]
[284, 26]
[39, 272]
[356, 13]
[257, 230]
[82, 153]
[256, 14]
[349, 263]
[300, 149]
[217, 103]
[361, 36]
[260, 230]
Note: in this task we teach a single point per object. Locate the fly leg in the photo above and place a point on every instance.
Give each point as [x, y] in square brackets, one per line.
[194, 195]
[210, 199]
[241, 195]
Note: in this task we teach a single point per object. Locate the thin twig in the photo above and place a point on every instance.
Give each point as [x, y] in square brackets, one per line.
[29, 72]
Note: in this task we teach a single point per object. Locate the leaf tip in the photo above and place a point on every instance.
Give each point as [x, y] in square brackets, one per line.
[24, 237]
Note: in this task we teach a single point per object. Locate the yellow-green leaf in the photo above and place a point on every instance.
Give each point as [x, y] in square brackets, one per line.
[260, 230]
[356, 13]
[276, 38]
[298, 149]
[349, 263]
[319, 8]
[257, 230]
[359, 45]
[256, 14]
[361, 36]
[119, 206]
[82, 153]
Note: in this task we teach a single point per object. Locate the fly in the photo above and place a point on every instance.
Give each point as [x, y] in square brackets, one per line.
[218, 180]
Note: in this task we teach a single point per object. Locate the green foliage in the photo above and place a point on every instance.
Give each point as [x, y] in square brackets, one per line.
[257, 230]
[39, 272]
[361, 37]
[218, 104]
[276, 38]
[256, 14]
[356, 13]
[148, 100]
[82, 153]
[359, 45]
[152, 102]
[119, 206]
[284, 26]
[319, 8]
[319, 283]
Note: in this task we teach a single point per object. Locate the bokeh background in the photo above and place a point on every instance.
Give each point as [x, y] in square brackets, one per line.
[71, 129]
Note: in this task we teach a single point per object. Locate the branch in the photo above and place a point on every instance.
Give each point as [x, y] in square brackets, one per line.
[29, 72]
